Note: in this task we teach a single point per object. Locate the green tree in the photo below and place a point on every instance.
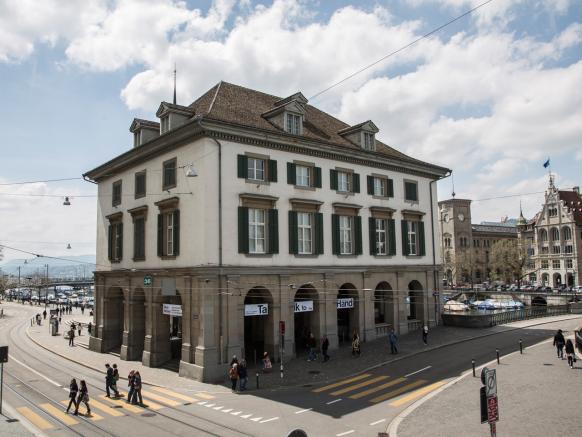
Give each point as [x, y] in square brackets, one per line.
[510, 258]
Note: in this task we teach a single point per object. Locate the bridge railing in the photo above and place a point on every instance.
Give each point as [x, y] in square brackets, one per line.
[527, 313]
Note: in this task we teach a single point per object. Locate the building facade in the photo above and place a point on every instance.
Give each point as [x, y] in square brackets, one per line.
[553, 238]
[466, 247]
[244, 215]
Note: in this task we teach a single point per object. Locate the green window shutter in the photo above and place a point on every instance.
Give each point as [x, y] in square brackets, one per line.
[358, 235]
[404, 237]
[243, 229]
[390, 188]
[110, 243]
[318, 233]
[177, 232]
[273, 231]
[317, 177]
[391, 237]
[291, 173]
[370, 185]
[372, 234]
[333, 179]
[356, 180]
[421, 248]
[242, 166]
[293, 237]
[411, 191]
[272, 170]
[120, 240]
[335, 233]
[160, 235]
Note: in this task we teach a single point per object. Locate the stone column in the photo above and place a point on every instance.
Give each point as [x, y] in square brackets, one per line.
[401, 320]
[287, 315]
[330, 310]
[96, 339]
[157, 341]
[231, 299]
[184, 286]
[206, 355]
[369, 326]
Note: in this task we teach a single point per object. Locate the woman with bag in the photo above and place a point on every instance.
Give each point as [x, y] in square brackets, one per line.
[73, 390]
[233, 375]
[137, 389]
[570, 353]
[356, 344]
[83, 397]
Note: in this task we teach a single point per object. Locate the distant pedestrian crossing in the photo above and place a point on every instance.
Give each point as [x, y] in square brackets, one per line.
[380, 388]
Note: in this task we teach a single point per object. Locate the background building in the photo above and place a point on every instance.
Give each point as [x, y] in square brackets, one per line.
[294, 219]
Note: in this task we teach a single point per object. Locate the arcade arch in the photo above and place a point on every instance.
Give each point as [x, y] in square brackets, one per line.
[383, 304]
[306, 316]
[347, 312]
[414, 301]
[258, 324]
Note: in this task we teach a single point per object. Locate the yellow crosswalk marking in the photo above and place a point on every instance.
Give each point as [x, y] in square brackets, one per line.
[58, 414]
[105, 408]
[359, 385]
[94, 417]
[377, 388]
[161, 399]
[34, 418]
[174, 394]
[121, 402]
[149, 404]
[340, 383]
[398, 391]
[418, 393]
[204, 395]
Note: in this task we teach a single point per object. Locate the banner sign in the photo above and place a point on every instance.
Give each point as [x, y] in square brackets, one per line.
[303, 306]
[346, 302]
[259, 309]
[172, 310]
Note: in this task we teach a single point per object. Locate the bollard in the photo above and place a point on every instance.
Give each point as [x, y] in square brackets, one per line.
[473, 364]
[257, 375]
[497, 352]
[520, 346]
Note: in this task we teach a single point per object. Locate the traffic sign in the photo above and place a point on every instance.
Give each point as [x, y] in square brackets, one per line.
[490, 383]
[282, 327]
[3, 354]
[492, 409]
[147, 280]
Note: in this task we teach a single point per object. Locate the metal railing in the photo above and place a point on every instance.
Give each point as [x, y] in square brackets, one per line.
[414, 325]
[527, 313]
[383, 329]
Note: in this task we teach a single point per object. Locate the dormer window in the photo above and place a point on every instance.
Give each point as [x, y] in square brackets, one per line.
[293, 124]
[136, 138]
[363, 135]
[164, 124]
[369, 141]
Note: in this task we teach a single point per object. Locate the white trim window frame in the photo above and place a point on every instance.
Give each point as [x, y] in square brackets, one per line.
[556, 264]
[305, 233]
[346, 225]
[381, 234]
[302, 176]
[344, 182]
[256, 169]
[380, 188]
[412, 238]
[169, 233]
[293, 124]
[257, 231]
[569, 264]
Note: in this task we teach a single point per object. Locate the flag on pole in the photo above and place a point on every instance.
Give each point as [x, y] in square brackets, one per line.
[547, 163]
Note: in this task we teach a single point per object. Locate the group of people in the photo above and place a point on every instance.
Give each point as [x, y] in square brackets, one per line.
[71, 332]
[562, 344]
[311, 344]
[78, 394]
[238, 372]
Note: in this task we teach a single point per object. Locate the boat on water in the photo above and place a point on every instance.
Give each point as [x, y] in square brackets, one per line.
[453, 305]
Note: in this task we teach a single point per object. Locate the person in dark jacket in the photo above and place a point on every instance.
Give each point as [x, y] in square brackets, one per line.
[243, 375]
[108, 380]
[234, 360]
[83, 397]
[559, 342]
[130, 385]
[137, 389]
[570, 353]
[115, 379]
[311, 344]
[393, 339]
[324, 348]
[73, 390]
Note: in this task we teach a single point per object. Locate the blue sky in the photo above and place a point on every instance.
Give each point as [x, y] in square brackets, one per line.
[491, 96]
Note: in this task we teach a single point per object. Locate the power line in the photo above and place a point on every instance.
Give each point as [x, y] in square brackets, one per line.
[42, 181]
[383, 58]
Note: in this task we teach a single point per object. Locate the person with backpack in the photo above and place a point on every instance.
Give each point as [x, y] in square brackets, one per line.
[73, 390]
[559, 342]
[137, 389]
[233, 375]
[570, 354]
[115, 379]
[83, 397]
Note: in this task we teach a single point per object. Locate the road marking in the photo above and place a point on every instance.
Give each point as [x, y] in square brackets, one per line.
[377, 422]
[345, 433]
[227, 411]
[204, 396]
[344, 382]
[209, 405]
[218, 408]
[34, 418]
[149, 404]
[35, 372]
[418, 371]
[106, 408]
[246, 416]
[58, 414]
[398, 391]
[125, 406]
[269, 420]
[334, 401]
[161, 399]
[377, 388]
[174, 394]
[359, 385]
[303, 411]
[418, 393]
[256, 419]
[94, 417]
[202, 403]
[236, 413]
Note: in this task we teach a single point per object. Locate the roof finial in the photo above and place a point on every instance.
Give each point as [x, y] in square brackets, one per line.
[174, 83]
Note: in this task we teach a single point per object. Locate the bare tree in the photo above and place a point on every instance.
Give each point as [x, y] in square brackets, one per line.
[510, 258]
[465, 265]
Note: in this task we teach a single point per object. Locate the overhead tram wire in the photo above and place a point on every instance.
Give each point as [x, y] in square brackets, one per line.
[410, 44]
[40, 181]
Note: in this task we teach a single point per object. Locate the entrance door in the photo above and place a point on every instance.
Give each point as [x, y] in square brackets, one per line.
[306, 317]
[258, 325]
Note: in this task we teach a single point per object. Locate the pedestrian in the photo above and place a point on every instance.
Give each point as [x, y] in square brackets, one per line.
[71, 337]
[108, 379]
[311, 344]
[137, 389]
[324, 348]
[356, 344]
[234, 360]
[73, 326]
[115, 379]
[393, 338]
[44, 314]
[73, 390]
[89, 328]
[79, 327]
[82, 309]
[570, 353]
[130, 385]
[233, 375]
[83, 397]
[243, 375]
[267, 365]
[425, 334]
[559, 342]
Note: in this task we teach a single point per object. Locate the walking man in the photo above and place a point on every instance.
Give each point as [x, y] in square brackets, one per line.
[425, 334]
[44, 314]
[130, 385]
[72, 337]
[311, 344]
[108, 379]
[559, 342]
[137, 389]
[393, 338]
[73, 390]
[324, 348]
[115, 379]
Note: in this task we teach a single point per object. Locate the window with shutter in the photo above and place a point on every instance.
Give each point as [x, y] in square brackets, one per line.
[411, 191]
[291, 173]
[140, 184]
[116, 193]
[317, 177]
[272, 172]
[139, 238]
[293, 234]
[333, 179]
[169, 174]
[243, 229]
[169, 233]
[355, 182]
[305, 233]
[319, 249]
[273, 222]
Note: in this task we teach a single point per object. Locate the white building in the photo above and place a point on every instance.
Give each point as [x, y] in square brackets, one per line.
[289, 205]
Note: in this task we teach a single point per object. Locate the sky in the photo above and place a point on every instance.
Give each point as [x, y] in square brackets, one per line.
[491, 96]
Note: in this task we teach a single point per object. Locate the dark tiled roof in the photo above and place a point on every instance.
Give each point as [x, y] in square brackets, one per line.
[243, 106]
[573, 201]
[495, 229]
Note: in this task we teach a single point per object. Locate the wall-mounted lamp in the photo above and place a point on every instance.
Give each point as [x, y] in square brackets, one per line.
[67, 202]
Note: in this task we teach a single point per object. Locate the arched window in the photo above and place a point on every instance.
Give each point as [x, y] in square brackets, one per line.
[567, 233]
[543, 235]
[555, 233]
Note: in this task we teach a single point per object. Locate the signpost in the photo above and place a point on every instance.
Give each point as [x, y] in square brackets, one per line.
[282, 343]
[147, 280]
[172, 310]
[259, 309]
[345, 302]
[303, 306]
[489, 401]
[3, 359]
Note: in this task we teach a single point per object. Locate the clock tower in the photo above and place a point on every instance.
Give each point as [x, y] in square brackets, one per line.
[456, 234]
